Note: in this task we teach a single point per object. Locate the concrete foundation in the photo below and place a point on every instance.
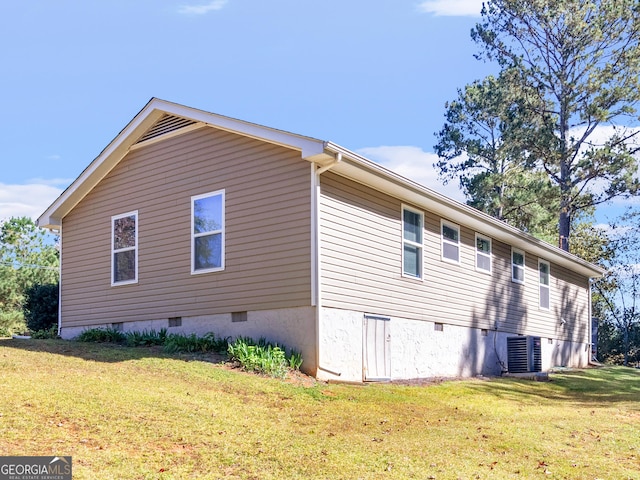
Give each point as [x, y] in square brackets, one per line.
[420, 349]
[291, 327]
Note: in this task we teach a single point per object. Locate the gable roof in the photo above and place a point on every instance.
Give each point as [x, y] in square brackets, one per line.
[160, 119]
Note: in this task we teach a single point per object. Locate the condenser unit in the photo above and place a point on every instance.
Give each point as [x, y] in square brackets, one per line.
[524, 354]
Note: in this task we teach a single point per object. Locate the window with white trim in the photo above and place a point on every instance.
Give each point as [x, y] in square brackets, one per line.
[483, 253]
[544, 269]
[412, 222]
[124, 248]
[207, 232]
[517, 265]
[450, 242]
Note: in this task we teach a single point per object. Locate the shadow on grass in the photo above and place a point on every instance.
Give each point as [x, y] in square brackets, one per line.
[105, 352]
[593, 386]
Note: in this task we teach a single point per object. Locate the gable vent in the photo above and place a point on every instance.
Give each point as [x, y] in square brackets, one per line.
[167, 124]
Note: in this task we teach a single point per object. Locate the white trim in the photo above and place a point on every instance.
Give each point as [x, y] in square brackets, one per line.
[487, 255]
[145, 119]
[541, 285]
[220, 231]
[418, 245]
[448, 241]
[134, 214]
[523, 266]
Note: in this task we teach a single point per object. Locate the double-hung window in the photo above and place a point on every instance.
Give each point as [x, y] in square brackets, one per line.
[412, 223]
[207, 232]
[483, 254]
[517, 265]
[450, 242]
[124, 248]
[544, 270]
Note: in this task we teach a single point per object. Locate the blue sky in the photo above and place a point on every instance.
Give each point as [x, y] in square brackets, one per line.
[370, 75]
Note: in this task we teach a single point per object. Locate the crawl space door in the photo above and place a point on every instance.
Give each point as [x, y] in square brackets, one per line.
[377, 348]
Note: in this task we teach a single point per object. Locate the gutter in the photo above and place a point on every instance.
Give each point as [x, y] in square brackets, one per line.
[383, 179]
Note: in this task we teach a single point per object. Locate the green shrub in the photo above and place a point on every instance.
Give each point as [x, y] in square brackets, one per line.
[177, 342]
[146, 338]
[41, 306]
[102, 335]
[46, 334]
[263, 357]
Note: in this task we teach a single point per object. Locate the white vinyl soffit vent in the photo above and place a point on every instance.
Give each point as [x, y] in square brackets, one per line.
[167, 124]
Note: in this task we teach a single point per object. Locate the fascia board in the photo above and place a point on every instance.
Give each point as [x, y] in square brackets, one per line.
[308, 146]
[99, 167]
[369, 173]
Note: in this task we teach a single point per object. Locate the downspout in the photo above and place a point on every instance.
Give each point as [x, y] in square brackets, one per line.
[591, 359]
[317, 264]
[59, 278]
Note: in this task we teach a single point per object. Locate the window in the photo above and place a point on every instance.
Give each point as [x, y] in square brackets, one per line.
[124, 248]
[450, 242]
[207, 232]
[544, 270]
[412, 243]
[483, 254]
[517, 266]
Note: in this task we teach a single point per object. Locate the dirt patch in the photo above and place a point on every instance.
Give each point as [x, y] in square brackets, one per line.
[296, 377]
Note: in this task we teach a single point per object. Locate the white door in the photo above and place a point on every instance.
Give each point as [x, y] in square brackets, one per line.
[377, 348]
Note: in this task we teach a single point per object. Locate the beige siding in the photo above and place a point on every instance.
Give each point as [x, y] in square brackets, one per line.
[267, 236]
[361, 269]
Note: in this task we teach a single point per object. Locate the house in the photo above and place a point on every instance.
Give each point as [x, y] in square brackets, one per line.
[201, 223]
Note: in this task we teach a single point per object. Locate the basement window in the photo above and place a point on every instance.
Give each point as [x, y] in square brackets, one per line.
[175, 322]
[438, 327]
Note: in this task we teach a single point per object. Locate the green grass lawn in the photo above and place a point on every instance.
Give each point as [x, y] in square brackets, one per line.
[137, 413]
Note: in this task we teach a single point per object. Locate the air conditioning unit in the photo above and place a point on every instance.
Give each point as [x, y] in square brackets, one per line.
[524, 354]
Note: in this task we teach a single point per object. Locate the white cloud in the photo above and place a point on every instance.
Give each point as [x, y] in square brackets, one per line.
[28, 200]
[202, 9]
[415, 164]
[452, 8]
